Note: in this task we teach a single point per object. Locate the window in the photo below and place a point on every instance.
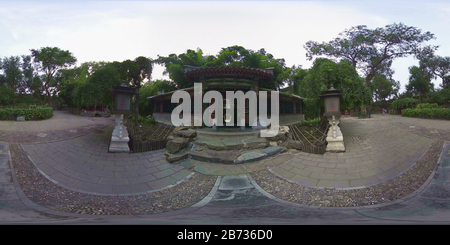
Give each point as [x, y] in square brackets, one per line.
[169, 106]
[286, 107]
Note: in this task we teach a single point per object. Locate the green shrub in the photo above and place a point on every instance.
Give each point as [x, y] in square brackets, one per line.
[430, 113]
[310, 122]
[30, 113]
[408, 102]
[144, 120]
[427, 105]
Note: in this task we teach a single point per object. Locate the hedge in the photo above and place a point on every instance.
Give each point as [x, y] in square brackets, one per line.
[427, 105]
[29, 113]
[406, 102]
[430, 113]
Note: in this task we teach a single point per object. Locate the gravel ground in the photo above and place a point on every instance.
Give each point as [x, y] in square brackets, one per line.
[43, 192]
[385, 192]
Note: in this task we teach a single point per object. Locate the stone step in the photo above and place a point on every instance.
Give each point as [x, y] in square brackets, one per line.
[232, 157]
[227, 133]
[237, 143]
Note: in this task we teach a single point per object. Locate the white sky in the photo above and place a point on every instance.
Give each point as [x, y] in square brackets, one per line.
[120, 30]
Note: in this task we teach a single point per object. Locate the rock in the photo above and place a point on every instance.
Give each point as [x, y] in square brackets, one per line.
[175, 157]
[20, 118]
[178, 129]
[294, 144]
[191, 134]
[269, 151]
[175, 145]
[273, 144]
[249, 157]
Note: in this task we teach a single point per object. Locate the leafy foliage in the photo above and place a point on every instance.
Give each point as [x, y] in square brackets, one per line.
[383, 87]
[36, 113]
[149, 89]
[234, 56]
[372, 51]
[419, 82]
[430, 113]
[49, 60]
[427, 105]
[406, 102]
[325, 74]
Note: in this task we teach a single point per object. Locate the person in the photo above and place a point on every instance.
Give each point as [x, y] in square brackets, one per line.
[384, 111]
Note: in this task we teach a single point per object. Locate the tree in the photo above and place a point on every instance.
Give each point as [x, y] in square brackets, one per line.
[174, 65]
[11, 67]
[152, 88]
[134, 72]
[438, 66]
[372, 51]
[325, 74]
[96, 88]
[29, 76]
[234, 56]
[49, 60]
[383, 87]
[419, 82]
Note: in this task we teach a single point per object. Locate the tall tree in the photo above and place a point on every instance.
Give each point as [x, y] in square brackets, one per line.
[383, 87]
[438, 66]
[234, 56]
[11, 67]
[372, 51]
[174, 65]
[325, 74]
[49, 60]
[135, 72]
[419, 82]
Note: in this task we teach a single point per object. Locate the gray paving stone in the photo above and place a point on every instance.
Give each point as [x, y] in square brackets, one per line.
[126, 174]
[101, 173]
[131, 189]
[163, 173]
[113, 181]
[235, 183]
[142, 179]
[161, 183]
[65, 180]
[181, 174]
[94, 188]
[85, 177]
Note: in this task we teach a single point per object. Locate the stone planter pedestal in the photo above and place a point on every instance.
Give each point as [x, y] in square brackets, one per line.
[119, 138]
[335, 138]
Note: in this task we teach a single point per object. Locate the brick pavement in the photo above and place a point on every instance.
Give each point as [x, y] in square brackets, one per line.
[84, 164]
[376, 151]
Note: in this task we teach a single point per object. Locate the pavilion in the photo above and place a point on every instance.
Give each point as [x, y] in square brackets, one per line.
[225, 78]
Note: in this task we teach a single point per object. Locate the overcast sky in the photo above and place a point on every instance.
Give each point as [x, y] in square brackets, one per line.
[120, 30]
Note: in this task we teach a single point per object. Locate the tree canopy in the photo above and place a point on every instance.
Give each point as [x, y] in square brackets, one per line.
[49, 60]
[234, 56]
[371, 51]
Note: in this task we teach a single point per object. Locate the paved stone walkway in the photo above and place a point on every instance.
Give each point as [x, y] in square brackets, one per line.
[84, 164]
[376, 151]
[61, 120]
